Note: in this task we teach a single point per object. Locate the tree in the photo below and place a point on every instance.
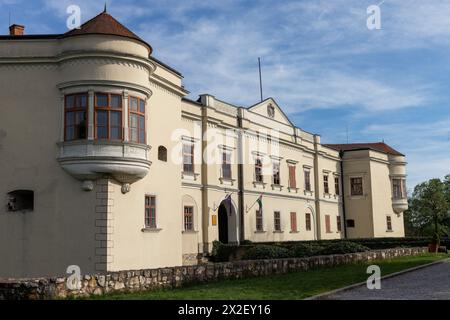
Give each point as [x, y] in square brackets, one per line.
[429, 208]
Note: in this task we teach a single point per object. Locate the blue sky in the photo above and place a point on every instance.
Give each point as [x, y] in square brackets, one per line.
[320, 62]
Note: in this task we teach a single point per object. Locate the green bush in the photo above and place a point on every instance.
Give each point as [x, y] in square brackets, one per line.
[343, 247]
[301, 250]
[221, 252]
[259, 252]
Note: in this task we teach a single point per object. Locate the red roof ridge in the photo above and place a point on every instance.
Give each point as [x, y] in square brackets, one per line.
[105, 24]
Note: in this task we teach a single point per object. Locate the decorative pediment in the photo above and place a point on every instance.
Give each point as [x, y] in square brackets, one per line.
[270, 109]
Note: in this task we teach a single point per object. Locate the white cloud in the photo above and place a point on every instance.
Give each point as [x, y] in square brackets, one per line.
[313, 58]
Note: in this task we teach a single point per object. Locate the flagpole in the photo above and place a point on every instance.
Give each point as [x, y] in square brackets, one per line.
[260, 196]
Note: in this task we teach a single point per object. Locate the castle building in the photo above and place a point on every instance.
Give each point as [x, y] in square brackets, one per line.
[106, 165]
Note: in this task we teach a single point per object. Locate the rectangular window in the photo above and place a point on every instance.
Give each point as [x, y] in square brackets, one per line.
[338, 224]
[356, 186]
[259, 220]
[136, 110]
[389, 223]
[293, 222]
[108, 116]
[337, 186]
[150, 211]
[327, 223]
[188, 218]
[350, 223]
[75, 116]
[307, 180]
[292, 181]
[258, 170]
[226, 165]
[276, 173]
[398, 188]
[308, 221]
[277, 221]
[326, 187]
[188, 158]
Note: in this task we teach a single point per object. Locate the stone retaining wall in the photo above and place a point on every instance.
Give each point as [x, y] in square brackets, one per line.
[51, 288]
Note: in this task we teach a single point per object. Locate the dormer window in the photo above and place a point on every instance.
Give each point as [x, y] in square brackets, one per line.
[75, 109]
[271, 111]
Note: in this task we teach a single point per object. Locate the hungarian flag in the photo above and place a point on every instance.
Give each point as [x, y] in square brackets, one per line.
[259, 200]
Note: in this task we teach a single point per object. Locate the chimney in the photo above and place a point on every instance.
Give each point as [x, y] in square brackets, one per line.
[16, 30]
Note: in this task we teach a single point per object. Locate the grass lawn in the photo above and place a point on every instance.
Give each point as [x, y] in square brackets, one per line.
[297, 285]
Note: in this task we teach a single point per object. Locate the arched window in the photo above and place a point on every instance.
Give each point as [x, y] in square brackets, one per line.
[162, 153]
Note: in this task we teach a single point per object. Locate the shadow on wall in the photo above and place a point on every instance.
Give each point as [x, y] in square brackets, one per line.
[2, 136]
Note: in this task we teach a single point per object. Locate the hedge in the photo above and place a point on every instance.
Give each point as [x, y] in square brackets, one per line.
[267, 250]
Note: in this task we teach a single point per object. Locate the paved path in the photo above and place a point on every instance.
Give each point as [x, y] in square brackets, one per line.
[429, 283]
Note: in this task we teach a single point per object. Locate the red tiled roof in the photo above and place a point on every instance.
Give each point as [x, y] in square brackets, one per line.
[377, 146]
[105, 24]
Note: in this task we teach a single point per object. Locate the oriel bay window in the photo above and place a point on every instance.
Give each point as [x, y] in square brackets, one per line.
[108, 116]
[75, 120]
[399, 188]
[136, 110]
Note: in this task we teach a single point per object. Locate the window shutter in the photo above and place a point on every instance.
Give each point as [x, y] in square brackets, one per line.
[292, 182]
[293, 221]
[327, 224]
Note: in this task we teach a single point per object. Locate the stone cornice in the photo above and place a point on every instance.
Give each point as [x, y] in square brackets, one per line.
[147, 64]
[118, 84]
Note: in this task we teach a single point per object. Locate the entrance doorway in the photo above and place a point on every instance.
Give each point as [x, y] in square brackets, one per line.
[223, 224]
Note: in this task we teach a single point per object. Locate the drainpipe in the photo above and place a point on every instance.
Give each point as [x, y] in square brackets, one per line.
[316, 186]
[240, 166]
[344, 223]
[207, 101]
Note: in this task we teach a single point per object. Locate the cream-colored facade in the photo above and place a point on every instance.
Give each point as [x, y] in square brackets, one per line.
[131, 199]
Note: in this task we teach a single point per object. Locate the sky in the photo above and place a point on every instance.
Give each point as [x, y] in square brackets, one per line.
[320, 62]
